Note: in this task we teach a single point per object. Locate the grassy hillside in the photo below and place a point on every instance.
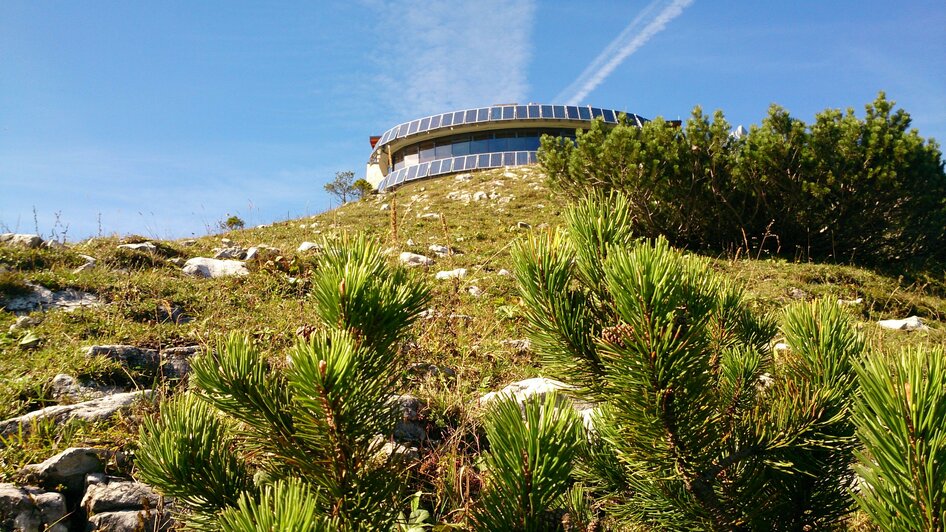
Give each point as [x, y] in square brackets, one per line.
[148, 302]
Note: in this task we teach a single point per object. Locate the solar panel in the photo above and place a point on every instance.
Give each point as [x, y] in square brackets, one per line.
[547, 111]
[482, 114]
[402, 130]
[584, 113]
[595, 112]
[458, 118]
[422, 170]
[532, 157]
[434, 122]
[470, 162]
[445, 165]
[509, 158]
[521, 111]
[411, 173]
[424, 125]
[434, 167]
[522, 157]
[534, 111]
[558, 111]
[483, 161]
[495, 159]
[458, 164]
[609, 116]
[509, 113]
[471, 116]
[413, 128]
[572, 112]
[495, 113]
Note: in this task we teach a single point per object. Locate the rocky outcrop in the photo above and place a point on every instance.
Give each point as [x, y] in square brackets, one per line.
[172, 362]
[213, 268]
[42, 298]
[94, 410]
[67, 469]
[31, 509]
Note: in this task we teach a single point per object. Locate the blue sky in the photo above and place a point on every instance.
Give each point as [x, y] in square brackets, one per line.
[160, 118]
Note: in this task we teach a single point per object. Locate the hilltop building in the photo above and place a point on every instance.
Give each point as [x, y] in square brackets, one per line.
[486, 137]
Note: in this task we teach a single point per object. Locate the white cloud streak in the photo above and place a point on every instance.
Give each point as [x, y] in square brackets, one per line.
[649, 22]
[438, 56]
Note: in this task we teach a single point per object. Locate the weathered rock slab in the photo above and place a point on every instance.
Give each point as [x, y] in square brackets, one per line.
[67, 468]
[94, 410]
[30, 509]
[42, 298]
[213, 268]
[21, 239]
[413, 259]
[913, 323]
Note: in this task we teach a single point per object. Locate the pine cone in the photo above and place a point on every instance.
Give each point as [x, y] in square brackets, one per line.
[617, 334]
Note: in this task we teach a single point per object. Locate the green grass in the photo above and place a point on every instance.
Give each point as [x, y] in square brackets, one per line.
[271, 305]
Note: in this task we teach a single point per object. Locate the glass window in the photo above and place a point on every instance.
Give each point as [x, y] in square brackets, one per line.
[495, 159]
[533, 111]
[470, 162]
[435, 168]
[411, 173]
[609, 116]
[446, 120]
[546, 111]
[443, 149]
[424, 124]
[422, 170]
[471, 116]
[426, 151]
[558, 111]
[458, 164]
[458, 118]
[413, 128]
[522, 157]
[584, 113]
[480, 143]
[495, 113]
[521, 111]
[434, 122]
[482, 114]
[572, 112]
[445, 165]
[509, 112]
[509, 159]
[500, 141]
[595, 112]
[461, 146]
[483, 161]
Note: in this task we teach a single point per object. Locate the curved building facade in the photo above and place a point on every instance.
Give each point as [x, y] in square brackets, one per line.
[471, 139]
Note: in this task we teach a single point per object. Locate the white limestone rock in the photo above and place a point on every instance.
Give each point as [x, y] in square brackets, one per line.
[67, 468]
[309, 246]
[214, 268]
[475, 291]
[439, 250]
[21, 239]
[504, 273]
[94, 410]
[88, 265]
[31, 509]
[231, 252]
[413, 259]
[429, 216]
[458, 273]
[42, 298]
[479, 196]
[141, 246]
[913, 323]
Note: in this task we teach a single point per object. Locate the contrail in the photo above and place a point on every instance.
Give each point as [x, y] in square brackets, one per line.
[644, 26]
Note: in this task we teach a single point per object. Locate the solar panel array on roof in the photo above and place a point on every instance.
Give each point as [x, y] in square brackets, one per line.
[503, 112]
[457, 164]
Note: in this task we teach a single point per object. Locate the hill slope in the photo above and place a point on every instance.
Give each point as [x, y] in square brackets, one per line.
[144, 300]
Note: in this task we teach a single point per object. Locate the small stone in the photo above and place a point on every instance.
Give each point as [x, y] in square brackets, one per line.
[119, 495]
[429, 216]
[913, 323]
[410, 242]
[413, 259]
[309, 246]
[479, 196]
[797, 293]
[463, 177]
[850, 302]
[188, 242]
[25, 322]
[458, 273]
[53, 244]
[504, 273]
[439, 250]
[430, 370]
[412, 426]
[89, 264]
[518, 345]
[177, 261]
[781, 347]
[141, 246]
[475, 291]
[232, 252]
[523, 225]
[226, 241]
[385, 207]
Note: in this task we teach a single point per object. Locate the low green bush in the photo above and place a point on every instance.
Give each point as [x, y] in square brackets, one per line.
[867, 190]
